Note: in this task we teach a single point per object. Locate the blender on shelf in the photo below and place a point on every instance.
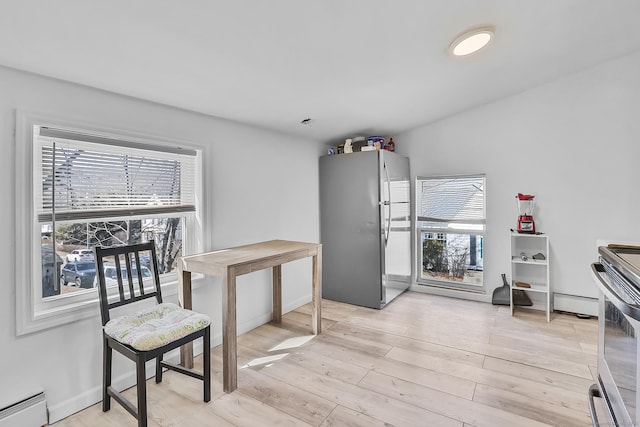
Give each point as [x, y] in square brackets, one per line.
[525, 210]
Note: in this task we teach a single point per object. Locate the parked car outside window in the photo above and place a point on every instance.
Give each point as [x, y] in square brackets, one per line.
[111, 276]
[145, 260]
[78, 273]
[80, 255]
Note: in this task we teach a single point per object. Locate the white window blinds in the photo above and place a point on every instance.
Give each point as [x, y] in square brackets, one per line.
[451, 200]
[88, 176]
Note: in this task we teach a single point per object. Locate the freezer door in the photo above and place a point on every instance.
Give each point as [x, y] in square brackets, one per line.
[396, 217]
[350, 228]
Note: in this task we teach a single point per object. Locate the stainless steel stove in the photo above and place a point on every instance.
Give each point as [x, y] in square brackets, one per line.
[617, 275]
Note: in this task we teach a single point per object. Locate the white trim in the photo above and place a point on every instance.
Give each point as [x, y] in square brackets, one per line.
[26, 238]
[25, 321]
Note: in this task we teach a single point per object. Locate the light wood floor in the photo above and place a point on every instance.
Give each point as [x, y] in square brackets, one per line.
[422, 361]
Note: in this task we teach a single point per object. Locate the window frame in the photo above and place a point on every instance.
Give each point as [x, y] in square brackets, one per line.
[443, 283]
[32, 312]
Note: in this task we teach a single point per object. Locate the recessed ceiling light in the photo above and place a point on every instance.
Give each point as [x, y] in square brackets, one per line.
[471, 41]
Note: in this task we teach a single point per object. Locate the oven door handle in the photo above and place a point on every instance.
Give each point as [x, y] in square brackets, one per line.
[594, 391]
[631, 310]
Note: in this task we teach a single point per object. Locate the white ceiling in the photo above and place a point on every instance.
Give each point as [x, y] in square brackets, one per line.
[355, 67]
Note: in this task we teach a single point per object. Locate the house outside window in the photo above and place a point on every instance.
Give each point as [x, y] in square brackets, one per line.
[450, 231]
[90, 189]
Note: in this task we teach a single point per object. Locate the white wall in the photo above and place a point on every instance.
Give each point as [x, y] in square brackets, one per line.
[574, 143]
[259, 185]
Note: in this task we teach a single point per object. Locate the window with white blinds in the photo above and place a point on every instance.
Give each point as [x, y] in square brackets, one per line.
[84, 176]
[450, 227]
[452, 200]
[77, 188]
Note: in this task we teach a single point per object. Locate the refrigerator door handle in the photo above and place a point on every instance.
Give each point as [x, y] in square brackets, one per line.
[387, 218]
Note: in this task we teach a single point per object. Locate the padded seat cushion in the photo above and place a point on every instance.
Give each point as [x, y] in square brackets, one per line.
[152, 328]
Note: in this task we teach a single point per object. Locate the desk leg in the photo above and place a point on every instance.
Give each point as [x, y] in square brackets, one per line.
[316, 293]
[229, 333]
[277, 293]
[184, 298]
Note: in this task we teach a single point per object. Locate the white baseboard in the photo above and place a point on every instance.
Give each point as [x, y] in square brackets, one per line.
[561, 302]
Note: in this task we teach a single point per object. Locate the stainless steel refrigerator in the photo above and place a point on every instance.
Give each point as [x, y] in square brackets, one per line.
[365, 227]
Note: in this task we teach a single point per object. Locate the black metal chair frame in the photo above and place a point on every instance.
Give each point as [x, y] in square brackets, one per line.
[140, 357]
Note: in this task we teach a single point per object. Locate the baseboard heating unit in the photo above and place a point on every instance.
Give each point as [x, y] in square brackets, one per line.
[575, 304]
[30, 411]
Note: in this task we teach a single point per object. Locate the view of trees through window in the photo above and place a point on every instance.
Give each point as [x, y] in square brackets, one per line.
[452, 257]
[74, 242]
[450, 228]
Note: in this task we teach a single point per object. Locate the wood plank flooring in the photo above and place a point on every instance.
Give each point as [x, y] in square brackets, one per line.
[422, 361]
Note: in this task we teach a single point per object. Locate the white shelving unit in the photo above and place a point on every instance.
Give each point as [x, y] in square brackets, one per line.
[532, 271]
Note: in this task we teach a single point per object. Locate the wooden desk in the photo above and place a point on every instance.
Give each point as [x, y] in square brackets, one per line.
[233, 262]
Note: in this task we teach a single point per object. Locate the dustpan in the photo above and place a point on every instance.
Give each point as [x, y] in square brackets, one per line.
[501, 295]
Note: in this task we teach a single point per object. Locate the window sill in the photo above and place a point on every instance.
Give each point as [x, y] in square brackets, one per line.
[453, 286]
[74, 311]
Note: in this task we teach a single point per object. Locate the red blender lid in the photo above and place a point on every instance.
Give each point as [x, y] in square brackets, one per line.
[521, 196]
